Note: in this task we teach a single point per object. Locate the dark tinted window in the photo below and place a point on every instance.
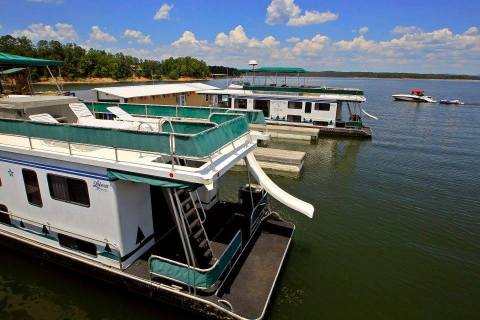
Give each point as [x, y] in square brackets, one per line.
[322, 106]
[308, 107]
[294, 105]
[4, 217]
[68, 189]
[263, 105]
[32, 188]
[293, 118]
[77, 244]
[240, 104]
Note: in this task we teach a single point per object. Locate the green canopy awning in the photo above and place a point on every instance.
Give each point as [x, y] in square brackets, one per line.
[7, 59]
[277, 70]
[153, 181]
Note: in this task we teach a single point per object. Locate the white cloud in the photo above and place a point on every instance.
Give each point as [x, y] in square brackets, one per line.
[40, 31]
[188, 40]
[312, 17]
[471, 31]
[164, 12]
[47, 1]
[237, 37]
[310, 47]
[363, 30]
[406, 30]
[281, 11]
[97, 35]
[137, 36]
[293, 40]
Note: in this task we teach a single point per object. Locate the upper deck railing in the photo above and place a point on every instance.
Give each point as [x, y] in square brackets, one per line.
[184, 139]
[152, 110]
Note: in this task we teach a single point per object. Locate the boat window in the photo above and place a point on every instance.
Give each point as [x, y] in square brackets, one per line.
[77, 244]
[322, 106]
[308, 107]
[32, 188]
[294, 105]
[4, 216]
[240, 104]
[263, 105]
[68, 190]
[294, 118]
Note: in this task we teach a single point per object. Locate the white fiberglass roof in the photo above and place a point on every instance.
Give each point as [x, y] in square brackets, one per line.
[154, 89]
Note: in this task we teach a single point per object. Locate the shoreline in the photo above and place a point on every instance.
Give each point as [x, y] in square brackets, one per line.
[111, 80]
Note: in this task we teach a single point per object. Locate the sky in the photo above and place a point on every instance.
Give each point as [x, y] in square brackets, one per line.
[429, 36]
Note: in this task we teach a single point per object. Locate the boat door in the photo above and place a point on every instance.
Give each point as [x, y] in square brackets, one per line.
[161, 216]
[181, 100]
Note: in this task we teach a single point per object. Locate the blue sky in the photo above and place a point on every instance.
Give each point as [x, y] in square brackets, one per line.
[375, 35]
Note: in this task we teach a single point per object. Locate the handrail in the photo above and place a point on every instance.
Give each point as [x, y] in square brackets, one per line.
[238, 234]
[171, 135]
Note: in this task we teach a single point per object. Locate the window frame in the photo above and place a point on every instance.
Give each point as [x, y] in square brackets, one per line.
[35, 176]
[50, 189]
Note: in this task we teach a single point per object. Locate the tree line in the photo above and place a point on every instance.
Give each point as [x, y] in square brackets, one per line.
[82, 63]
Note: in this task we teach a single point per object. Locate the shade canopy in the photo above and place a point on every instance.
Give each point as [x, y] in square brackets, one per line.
[277, 70]
[7, 59]
[153, 181]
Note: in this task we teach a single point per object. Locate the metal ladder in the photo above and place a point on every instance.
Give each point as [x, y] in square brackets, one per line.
[197, 236]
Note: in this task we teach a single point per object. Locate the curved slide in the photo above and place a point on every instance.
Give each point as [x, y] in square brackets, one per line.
[275, 191]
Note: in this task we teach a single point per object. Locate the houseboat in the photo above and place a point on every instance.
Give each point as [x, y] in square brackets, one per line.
[134, 200]
[298, 105]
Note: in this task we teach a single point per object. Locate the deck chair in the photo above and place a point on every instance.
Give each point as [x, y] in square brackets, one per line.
[121, 114]
[83, 114]
[43, 117]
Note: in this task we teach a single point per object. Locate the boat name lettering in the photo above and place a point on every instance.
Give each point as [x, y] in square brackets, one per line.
[100, 186]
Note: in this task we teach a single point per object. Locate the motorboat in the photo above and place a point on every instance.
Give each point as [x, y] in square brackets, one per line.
[415, 95]
[452, 101]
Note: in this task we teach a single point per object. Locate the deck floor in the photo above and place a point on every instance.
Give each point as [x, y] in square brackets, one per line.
[249, 290]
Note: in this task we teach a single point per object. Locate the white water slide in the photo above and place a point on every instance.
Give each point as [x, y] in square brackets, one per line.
[275, 191]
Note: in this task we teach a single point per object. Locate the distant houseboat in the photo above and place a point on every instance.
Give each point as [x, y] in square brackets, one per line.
[135, 201]
[320, 107]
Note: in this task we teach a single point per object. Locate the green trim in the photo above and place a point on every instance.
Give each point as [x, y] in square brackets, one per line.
[203, 279]
[352, 92]
[276, 70]
[153, 181]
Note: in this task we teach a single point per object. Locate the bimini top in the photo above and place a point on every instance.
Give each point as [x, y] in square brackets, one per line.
[277, 70]
[7, 59]
[153, 89]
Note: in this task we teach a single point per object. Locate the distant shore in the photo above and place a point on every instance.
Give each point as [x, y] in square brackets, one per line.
[111, 80]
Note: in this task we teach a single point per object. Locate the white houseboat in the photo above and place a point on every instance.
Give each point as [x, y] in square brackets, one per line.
[297, 105]
[134, 200]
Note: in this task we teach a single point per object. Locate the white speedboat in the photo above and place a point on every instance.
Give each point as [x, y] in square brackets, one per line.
[414, 96]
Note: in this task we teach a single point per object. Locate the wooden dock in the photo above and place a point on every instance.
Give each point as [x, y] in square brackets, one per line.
[278, 162]
[291, 132]
[288, 132]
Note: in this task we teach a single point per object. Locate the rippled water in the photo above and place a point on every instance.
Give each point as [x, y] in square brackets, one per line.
[396, 233]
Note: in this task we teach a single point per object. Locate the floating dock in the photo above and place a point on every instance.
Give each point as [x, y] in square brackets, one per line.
[278, 162]
[292, 132]
[288, 132]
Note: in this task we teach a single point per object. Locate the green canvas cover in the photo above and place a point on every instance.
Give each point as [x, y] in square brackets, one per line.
[199, 145]
[153, 181]
[276, 70]
[197, 278]
[253, 117]
[7, 59]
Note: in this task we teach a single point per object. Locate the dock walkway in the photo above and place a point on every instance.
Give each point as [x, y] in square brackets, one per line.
[288, 132]
[278, 162]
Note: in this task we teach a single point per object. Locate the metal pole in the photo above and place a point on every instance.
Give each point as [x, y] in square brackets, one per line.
[55, 79]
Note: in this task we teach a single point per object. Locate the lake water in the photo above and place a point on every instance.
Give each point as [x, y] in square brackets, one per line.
[396, 232]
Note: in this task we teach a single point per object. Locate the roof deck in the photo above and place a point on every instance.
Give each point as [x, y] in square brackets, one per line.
[209, 142]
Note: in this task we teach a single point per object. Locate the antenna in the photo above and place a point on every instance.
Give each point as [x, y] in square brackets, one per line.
[253, 63]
